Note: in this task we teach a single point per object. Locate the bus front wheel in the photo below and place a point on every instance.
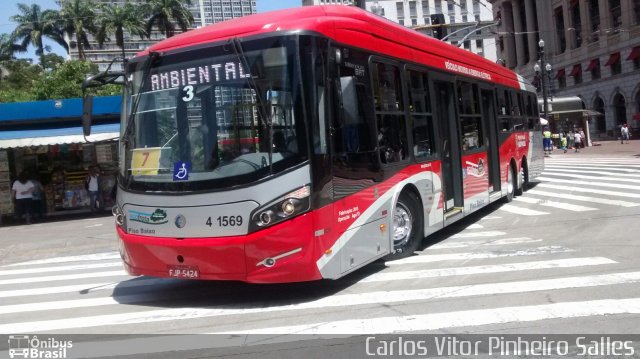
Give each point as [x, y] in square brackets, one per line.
[407, 227]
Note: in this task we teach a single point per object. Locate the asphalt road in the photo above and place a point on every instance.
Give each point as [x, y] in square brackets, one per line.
[561, 259]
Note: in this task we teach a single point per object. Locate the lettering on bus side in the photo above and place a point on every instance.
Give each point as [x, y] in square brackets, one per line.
[351, 213]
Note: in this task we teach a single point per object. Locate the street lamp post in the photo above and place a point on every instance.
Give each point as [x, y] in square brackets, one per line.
[543, 72]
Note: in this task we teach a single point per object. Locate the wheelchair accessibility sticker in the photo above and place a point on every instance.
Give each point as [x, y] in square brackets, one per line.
[181, 171]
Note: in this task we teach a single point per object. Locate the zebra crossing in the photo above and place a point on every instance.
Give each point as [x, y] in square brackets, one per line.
[581, 184]
[48, 297]
[486, 274]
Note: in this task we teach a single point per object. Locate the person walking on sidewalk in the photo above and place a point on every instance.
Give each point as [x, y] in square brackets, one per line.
[546, 141]
[577, 139]
[624, 133]
[22, 191]
[92, 186]
[563, 142]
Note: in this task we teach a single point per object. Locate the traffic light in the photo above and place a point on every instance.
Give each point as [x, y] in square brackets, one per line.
[438, 26]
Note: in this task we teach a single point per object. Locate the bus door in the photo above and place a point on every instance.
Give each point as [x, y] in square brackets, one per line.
[449, 143]
[493, 150]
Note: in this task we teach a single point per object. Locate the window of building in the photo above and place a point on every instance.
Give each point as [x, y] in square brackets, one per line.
[576, 22]
[471, 134]
[576, 73]
[635, 57]
[562, 78]
[594, 19]
[401, 22]
[562, 40]
[421, 115]
[412, 9]
[425, 8]
[636, 11]
[400, 9]
[390, 119]
[616, 14]
[614, 63]
[594, 68]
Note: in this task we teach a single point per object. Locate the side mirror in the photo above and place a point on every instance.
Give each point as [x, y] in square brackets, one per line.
[87, 107]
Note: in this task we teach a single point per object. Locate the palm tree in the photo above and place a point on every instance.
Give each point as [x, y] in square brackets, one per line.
[33, 25]
[117, 20]
[166, 14]
[7, 48]
[78, 17]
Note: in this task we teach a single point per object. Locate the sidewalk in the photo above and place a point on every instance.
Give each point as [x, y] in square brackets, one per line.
[604, 149]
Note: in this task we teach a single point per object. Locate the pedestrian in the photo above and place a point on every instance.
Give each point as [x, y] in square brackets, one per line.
[546, 141]
[92, 185]
[577, 140]
[38, 200]
[22, 192]
[583, 139]
[563, 142]
[624, 132]
[570, 139]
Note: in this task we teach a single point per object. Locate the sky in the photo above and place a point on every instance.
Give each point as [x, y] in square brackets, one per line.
[7, 26]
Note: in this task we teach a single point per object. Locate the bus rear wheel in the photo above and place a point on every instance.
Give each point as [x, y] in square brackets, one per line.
[407, 228]
[512, 184]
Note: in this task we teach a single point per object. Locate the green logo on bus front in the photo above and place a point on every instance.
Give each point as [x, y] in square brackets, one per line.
[159, 216]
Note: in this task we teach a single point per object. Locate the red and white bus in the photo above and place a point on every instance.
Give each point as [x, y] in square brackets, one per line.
[303, 144]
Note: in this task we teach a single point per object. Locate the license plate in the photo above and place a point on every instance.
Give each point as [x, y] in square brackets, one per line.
[187, 272]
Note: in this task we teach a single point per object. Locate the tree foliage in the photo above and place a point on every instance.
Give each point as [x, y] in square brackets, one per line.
[77, 17]
[165, 14]
[117, 20]
[34, 25]
[28, 82]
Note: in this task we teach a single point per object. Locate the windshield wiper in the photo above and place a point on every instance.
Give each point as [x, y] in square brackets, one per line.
[153, 57]
[268, 124]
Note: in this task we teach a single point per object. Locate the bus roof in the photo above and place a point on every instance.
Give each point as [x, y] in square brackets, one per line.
[352, 26]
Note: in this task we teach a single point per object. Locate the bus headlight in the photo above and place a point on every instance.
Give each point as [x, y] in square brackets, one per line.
[119, 216]
[287, 206]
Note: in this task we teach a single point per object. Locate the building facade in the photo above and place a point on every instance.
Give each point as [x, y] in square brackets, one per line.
[456, 15]
[205, 12]
[593, 47]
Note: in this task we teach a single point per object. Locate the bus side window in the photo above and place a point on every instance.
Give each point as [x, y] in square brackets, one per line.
[421, 115]
[390, 117]
[353, 133]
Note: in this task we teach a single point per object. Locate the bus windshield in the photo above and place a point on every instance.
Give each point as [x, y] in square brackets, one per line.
[213, 117]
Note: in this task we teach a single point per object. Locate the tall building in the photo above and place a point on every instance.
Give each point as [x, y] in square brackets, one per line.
[205, 12]
[426, 15]
[593, 47]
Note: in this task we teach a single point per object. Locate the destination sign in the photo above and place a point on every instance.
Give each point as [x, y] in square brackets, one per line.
[198, 75]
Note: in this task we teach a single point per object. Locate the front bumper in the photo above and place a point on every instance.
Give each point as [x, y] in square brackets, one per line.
[238, 258]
